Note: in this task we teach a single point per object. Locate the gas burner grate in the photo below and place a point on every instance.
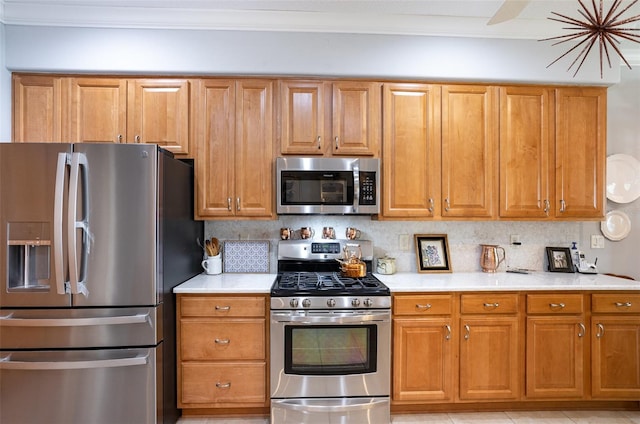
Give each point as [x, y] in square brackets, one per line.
[322, 282]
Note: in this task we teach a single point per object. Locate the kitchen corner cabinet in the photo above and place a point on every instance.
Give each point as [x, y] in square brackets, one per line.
[221, 351]
[38, 110]
[580, 152]
[234, 149]
[557, 343]
[615, 346]
[490, 347]
[337, 118]
[423, 348]
[410, 150]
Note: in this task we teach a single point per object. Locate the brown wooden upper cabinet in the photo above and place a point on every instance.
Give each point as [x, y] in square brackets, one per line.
[440, 151]
[330, 118]
[103, 109]
[37, 108]
[234, 149]
[552, 152]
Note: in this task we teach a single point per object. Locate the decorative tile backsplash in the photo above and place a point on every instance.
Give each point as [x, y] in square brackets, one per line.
[464, 237]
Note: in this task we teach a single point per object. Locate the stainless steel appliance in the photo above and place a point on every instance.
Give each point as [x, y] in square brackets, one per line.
[328, 185]
[330, 338]
[93, 238]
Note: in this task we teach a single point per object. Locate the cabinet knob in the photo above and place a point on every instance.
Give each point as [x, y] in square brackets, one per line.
[319, 142]
[467, 332]
[600, 332]
[563, 206]
[222, 308]
[491, 305]
[623, 304]
[229, 204]
[223, 385]
[222, 341]
[556, 305]
[582, 331]
[431, 206]
[447, 204]
[547, 206]
[448, 329]
[427, 306]
[337, 142]
[237, 203]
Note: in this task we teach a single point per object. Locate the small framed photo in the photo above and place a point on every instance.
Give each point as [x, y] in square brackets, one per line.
[559, 259]
[432, 253]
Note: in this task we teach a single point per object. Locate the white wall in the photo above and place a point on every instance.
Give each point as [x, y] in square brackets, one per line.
[5, 91]
[127, 51]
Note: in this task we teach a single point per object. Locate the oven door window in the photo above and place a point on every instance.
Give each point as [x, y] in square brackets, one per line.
[330, 349]
[317, 188]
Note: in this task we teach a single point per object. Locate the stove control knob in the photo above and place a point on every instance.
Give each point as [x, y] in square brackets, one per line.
[293, 303]
[331, 303]
[355, 302]
[368, 303]
[306, 303]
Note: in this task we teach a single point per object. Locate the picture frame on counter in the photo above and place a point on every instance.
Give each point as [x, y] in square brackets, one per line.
[432, 253]
[559, 259]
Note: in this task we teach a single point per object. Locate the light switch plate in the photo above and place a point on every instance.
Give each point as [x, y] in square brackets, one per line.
[597, 241]
[404, 242]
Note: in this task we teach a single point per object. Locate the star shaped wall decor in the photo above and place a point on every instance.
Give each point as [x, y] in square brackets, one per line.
[598, 27]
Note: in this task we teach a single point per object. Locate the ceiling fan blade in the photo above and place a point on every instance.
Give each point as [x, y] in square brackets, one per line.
[510, 9]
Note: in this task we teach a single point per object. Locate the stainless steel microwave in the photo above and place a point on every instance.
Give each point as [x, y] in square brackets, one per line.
[339, 186]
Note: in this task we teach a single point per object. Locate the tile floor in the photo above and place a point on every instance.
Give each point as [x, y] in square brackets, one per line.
[519, 417]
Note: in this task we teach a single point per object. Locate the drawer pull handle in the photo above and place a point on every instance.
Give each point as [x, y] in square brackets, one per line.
[427, 306]
[222, 341]
[222, 308]
[621, 304]
[582, 331]
[448, 336]
[491, 305]
[600, 332]
[223, 385]
[467, 332]
[557, 305]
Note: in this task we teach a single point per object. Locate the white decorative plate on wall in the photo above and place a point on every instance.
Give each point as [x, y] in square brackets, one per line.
[246, 256]
[616, 225]
[623, 178]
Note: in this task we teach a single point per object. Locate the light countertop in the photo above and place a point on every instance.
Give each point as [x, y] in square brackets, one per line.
[414, 282]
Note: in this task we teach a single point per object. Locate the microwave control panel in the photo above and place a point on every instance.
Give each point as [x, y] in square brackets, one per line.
[367, 188]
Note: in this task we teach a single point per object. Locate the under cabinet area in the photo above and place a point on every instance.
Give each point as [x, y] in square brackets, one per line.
[222, 352]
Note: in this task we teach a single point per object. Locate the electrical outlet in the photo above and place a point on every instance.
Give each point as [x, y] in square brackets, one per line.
[404, 242]
[597, 241]
[515, 239]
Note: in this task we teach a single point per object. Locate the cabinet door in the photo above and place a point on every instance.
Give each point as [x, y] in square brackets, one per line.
[215, 154]
[37, 108]
[98, 110]
[411, 151]
[302, 111]
[422, 359]
[469, 151]
[580, 152]
[254, 168]
[357, 114]
[490, 359]
[159, 113]
[526, 152]
[555, 357]
[615, 357]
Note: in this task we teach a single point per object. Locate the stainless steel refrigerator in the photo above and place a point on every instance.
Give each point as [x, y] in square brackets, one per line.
[93, 238]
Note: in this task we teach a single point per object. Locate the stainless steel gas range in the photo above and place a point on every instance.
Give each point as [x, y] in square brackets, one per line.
[330, 338]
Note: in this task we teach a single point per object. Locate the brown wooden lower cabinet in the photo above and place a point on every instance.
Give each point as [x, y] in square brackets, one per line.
[222, 354]
[519, 350]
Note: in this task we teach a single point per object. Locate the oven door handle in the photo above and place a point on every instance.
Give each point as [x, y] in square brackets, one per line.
[330, 406]
[333, 319]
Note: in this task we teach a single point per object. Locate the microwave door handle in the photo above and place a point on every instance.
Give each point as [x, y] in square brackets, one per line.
[78, 160]
[58, 247]
[356, 186]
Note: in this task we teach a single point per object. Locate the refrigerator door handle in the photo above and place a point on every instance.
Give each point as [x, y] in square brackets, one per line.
[62, 286]
[8, 321]
[78, 285]
[7, 364]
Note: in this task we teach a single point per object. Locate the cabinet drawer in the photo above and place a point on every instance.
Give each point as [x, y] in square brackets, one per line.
[555, 303]
[222, 339]
[489, 303]
[437, 304]
[219, 306]
[223, 383]
[616, 303]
